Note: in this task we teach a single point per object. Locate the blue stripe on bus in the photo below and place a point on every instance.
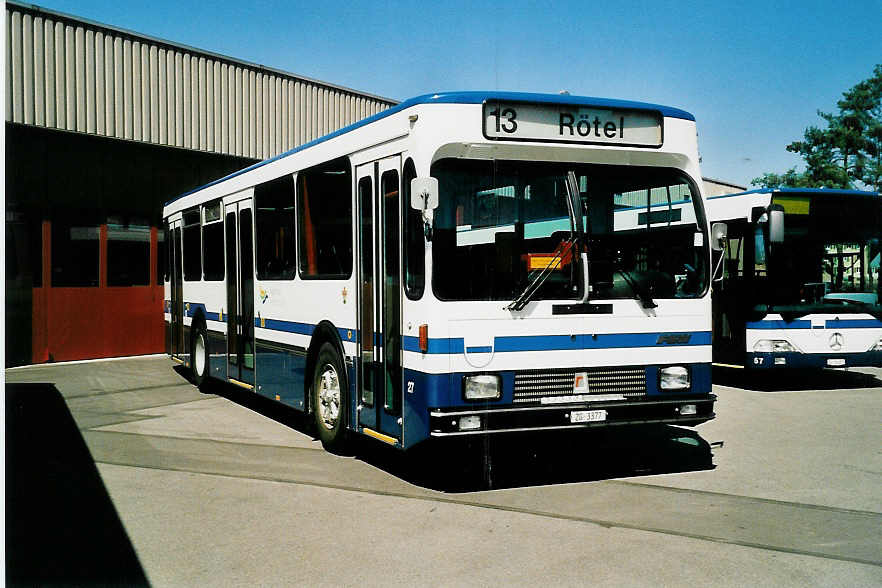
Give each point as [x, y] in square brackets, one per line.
[807, 324]
[436, 346]
[560, 342]
[855, 324]
[286, 326]
[480, 349]
[455, 345]
[800, 324]
[651, 206]
[606, 341]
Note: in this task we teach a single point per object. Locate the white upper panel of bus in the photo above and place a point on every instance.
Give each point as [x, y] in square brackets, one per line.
[500, 125]
[739, 205]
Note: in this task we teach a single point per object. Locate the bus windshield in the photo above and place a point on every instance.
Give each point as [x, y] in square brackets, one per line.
[829, 256]
[500, 222]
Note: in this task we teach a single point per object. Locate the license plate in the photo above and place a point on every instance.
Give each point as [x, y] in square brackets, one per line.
[587, 416]
[835, 362]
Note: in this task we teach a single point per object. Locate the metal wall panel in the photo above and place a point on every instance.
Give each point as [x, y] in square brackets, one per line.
[70, 74]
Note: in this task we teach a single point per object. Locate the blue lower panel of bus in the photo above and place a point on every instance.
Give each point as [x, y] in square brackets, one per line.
[217, 354]
[792, 359]
[280, 374]
[427, 392]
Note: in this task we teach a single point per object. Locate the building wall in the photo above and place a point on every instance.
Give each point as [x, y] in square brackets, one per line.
[102, 127]
[70, 74]
[62, 185]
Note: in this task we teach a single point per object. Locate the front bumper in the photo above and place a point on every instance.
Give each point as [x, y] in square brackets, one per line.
[444, 422]
[792, 359]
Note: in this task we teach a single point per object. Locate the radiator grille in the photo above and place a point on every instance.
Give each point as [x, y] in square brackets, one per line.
[530, 386]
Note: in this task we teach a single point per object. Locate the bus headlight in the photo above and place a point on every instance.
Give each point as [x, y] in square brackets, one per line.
[673, 378]
[877, 346]
[773, 346]
[482, 387]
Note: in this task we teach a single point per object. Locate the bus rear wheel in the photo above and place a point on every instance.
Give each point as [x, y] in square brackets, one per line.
[199, 357]
[329, 399]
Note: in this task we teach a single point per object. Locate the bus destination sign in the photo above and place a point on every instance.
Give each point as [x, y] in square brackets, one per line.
[570, 123]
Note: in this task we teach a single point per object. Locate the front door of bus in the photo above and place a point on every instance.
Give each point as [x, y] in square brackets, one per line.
[379, 298]
[239, 244]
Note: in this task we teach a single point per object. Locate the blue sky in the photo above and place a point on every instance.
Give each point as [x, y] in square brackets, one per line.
[754, 73]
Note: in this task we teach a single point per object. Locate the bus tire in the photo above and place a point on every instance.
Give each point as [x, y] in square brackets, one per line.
[329, 399]
[199, 357]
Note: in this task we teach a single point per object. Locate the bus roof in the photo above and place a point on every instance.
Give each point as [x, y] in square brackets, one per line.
[472, 97]
[738, 205]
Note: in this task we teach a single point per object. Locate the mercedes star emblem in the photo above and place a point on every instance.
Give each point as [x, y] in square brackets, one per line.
[836, 340]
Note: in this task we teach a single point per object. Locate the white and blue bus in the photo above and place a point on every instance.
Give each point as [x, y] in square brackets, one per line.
[452, 266]
[797, 282]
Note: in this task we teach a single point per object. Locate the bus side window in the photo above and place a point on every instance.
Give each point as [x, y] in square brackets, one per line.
[414, 248]
[274, 202]
[192, 240]
[324, 218]
[213, 242]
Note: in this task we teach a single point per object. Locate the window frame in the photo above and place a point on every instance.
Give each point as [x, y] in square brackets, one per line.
[87, 226]
[129, 227]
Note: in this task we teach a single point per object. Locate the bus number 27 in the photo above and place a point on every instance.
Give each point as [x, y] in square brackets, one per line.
[509, 124]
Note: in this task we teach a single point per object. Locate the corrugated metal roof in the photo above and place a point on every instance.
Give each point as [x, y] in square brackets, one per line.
[69, 73]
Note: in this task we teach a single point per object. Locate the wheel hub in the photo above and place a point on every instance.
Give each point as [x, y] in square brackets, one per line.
[329, 397]
[200, 356]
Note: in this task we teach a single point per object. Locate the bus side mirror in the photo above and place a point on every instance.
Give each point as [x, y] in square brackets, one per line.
[776, 224]
[424, 197]
[719, 233]
[424, 194]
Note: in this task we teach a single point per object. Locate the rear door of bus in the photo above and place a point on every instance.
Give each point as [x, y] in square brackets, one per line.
[239, 244]
[176, 279]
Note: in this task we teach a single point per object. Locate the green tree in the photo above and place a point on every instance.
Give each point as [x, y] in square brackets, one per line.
[790, 178]
[848, 151]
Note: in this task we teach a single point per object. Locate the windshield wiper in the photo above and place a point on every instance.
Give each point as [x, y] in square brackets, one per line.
[521, 301]
[565, 247]
[642, 294]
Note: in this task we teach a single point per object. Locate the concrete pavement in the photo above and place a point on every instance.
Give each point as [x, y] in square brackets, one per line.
[231, 490]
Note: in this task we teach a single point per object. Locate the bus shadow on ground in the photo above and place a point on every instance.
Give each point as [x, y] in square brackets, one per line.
[61, 525]
[518, 460]
[280, 413]
[795, 379]
[510, 460]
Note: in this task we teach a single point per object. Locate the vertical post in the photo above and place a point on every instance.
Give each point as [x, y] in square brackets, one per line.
[47, 254]
[102, 256]
[40, 324]
[863, 258]
[154, 258]
[104, 347]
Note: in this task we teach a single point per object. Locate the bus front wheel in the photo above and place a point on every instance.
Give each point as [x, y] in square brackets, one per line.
[329, 399]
